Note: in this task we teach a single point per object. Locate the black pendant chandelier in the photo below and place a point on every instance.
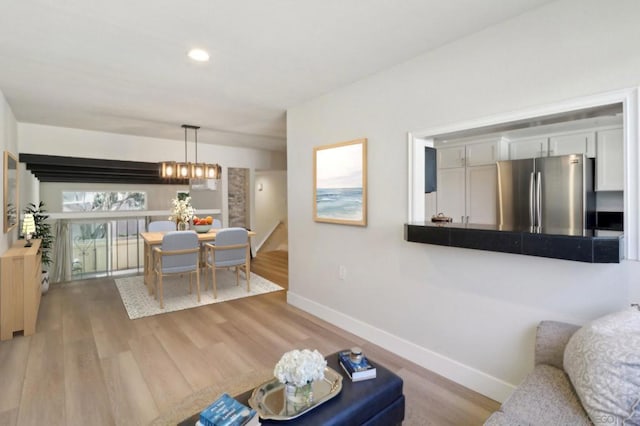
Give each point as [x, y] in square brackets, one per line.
[186, 169]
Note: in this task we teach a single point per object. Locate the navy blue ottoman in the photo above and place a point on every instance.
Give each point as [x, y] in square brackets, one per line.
[375, 402]
[372, 402]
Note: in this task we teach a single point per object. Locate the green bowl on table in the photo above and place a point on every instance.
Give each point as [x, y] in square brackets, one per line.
[202, 229]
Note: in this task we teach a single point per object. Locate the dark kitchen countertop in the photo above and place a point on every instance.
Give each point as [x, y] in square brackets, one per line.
[554, 243]
[507, 228]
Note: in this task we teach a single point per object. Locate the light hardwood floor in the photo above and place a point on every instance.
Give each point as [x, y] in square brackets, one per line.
[89, 364]
[273, 265]
[278, 240]
[272, 260]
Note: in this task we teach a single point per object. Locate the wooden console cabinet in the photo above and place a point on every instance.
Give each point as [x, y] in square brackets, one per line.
[20, 289]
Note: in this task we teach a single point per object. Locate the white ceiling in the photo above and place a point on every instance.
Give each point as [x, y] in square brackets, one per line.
[121, 66]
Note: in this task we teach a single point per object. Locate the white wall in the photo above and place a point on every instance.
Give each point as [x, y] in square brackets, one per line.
[469, 315]
[270, 202]
[50, 140]
[207, 199]
[8, 142]
[29, 187]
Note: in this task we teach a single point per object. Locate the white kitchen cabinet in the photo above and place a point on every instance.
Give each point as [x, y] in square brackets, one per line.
[473, 154]
[450, 197]
[553, 145]
[528, 148]
[451, 156]
[478, 154]
[481, 194]
[468, 195]
[467, 179]
[610, 160]
[573, 143]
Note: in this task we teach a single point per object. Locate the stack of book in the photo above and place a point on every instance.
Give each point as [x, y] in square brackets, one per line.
[362, 370]
[226, 411]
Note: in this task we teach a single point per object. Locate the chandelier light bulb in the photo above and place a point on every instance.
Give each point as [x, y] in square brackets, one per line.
[187, 169]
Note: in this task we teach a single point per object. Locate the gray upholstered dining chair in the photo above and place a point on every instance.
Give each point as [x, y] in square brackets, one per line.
[161, 226]
[231, 249]
[158, 226]
[178, 254]
[216, 224]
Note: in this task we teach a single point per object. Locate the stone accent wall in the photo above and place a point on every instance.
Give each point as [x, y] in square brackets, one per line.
[238, 197]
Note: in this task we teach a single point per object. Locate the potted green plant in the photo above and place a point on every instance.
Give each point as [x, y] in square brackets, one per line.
[43, 233]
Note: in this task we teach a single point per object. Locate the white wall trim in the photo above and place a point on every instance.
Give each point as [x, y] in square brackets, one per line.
[596, 100]
[412, 157]
[416, 146]
[463, 374]
[273, 228]
[628, 97]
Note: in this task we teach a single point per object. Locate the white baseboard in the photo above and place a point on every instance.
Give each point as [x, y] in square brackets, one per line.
[463, 374]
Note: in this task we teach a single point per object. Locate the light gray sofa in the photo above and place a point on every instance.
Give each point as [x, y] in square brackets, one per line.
[546, 396]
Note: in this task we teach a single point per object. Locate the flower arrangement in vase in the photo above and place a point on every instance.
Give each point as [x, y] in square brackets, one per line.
[181, 212]
[298, 369]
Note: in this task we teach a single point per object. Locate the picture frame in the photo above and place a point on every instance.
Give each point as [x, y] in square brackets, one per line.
[340, 183]
[10, 196]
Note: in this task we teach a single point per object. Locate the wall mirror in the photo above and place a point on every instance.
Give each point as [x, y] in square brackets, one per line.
[10, 191]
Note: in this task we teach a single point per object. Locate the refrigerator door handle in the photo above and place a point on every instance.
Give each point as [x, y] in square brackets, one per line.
[531, 200]
[539, 199]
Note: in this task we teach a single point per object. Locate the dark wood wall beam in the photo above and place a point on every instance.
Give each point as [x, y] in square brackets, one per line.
[83, 162]
[94, 179]
[55, 168]
[37, 168]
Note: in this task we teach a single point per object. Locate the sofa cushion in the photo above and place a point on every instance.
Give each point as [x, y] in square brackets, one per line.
[545, 397]
[602, 360]
[551, 339]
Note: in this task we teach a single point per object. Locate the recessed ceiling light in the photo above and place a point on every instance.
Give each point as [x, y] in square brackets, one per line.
[199, 55]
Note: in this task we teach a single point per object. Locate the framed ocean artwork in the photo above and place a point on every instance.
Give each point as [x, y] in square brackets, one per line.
[340, 183]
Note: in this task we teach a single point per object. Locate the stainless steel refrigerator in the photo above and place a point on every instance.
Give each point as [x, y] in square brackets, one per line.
[551, 195]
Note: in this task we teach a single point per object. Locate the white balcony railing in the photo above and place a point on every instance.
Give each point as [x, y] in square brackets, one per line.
[88, 245]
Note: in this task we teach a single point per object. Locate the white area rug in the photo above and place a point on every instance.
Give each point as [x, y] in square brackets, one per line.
[140, 304]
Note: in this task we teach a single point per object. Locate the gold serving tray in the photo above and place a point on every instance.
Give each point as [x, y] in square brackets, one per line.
[270, 403]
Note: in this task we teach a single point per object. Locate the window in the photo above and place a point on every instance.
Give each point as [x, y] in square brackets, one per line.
[84, 201]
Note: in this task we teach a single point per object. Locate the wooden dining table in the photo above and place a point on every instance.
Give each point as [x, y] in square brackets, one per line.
[152, 239]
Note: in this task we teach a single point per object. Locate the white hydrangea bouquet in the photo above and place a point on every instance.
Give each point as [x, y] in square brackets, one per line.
[181, 210]
[300, 367]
